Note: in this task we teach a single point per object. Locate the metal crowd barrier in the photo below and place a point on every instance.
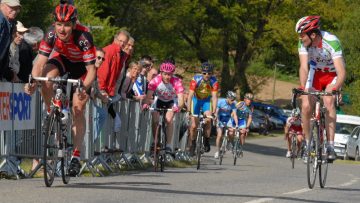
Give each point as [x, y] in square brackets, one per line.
[128, 148]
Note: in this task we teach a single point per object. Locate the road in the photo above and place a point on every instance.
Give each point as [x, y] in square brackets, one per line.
[262, 175]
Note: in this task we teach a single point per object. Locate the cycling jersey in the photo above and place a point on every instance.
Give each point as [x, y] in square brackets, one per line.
[202, 88]
[168, 91]
[243, 114]
[79, 48]
[322, 56]
[224, 112]
[294, 125]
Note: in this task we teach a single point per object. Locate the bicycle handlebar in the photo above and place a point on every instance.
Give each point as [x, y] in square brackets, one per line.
[296, 92]
[78, 82]
[202, 116]
[159, 109]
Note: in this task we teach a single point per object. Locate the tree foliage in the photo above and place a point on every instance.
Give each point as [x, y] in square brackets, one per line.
[240, 36]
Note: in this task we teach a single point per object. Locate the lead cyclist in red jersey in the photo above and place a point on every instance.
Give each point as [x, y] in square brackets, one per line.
[323, 52]
[67, 47]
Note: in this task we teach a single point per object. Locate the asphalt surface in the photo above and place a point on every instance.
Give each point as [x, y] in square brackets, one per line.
[262, 175]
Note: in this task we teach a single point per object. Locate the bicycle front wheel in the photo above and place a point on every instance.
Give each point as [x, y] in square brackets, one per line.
[293, 149]
[52, 131]
[65, 160]
[312, 158]
[199, 143]
[222, 150]
[236, 150]
[323, 167]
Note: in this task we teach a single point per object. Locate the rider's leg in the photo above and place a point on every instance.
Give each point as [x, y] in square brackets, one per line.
[192, 131]
[47, 90]
[218, 138]
[169, 117]
[288, 140]
[207, 126]
[155, 121]
[79, 122]
[306, 116]
[299, 142]
[330, 116]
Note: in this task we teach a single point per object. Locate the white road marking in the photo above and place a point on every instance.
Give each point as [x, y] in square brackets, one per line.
[297, 191]
[261, 200]
[349, 183]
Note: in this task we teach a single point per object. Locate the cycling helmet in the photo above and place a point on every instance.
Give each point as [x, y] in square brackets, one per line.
[167, 67]
[207, 67]
[65, 13]
[240, 105]
[307, 24]
[295, 112]
[231, 95]
[249, 96]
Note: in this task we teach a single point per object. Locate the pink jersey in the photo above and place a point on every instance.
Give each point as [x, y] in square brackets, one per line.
[166, 92]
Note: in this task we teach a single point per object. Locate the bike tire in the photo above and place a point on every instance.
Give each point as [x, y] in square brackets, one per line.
[312, 165]
[155, 150]
[162, 156]
[65, 160]
[52, 130]
[235, 150]
[323, 167]
[293, 150]
[222, 150]
[199, 143]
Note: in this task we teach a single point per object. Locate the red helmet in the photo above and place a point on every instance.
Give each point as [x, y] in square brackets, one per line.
[167, 67]
[65, 13]
[307, 23]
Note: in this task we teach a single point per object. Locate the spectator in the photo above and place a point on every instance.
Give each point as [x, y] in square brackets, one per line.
[140, 85]
[127, 91]
[109, 71]
[14, 61]
[129, 47]
[9, 9]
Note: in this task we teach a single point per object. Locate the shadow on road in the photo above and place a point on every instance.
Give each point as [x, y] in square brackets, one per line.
[119, 186]
[264, 150]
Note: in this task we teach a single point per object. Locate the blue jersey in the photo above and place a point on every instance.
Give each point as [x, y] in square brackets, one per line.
[225, 109]
[243, 111]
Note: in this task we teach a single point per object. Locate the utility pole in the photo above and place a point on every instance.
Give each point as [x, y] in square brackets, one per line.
[273, 92]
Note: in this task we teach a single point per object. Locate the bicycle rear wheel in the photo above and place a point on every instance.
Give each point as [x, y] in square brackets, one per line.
[199, 143]
[52, 131]
[312, 159]
[293, 149]
[162, 157]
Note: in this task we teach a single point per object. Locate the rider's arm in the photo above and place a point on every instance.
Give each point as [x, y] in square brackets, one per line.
[340, 72]
[90, 76]
[39, 65]
[234, 115]
[148, 97]
[304, 69]
[214, 101]
[249, 120]
[180, 97]
[189, 100]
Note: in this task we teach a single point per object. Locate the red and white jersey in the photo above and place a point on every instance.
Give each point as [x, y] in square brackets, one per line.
[79, 48]
[294, 124]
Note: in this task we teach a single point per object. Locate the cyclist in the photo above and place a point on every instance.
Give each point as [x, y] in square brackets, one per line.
[67, 47]
[293, 125]
[244, 111]
[323, 52]
[225, 110]
[202, 95]
[169, 95]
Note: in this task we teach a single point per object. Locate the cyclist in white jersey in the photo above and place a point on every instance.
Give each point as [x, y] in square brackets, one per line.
[321, 51]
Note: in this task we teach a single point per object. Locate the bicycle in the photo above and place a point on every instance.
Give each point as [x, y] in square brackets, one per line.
[160, 132]
[55, 128]
[200, 148]
[237, 150]
[317, 154]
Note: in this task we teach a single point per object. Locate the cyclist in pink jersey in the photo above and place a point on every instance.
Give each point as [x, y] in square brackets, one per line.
[67, 48]
[169, 93]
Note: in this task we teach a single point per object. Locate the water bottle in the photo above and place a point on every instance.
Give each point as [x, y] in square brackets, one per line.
[65, 115]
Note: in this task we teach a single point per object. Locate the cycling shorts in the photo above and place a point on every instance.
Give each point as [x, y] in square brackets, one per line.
[319, 80]
[76, 70]
[298, 132]
[241, 123]
[225, 122]
[164, 104]
[197, 104]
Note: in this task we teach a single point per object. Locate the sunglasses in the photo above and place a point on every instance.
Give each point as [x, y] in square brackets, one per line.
[100, 58]
[206, 73]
